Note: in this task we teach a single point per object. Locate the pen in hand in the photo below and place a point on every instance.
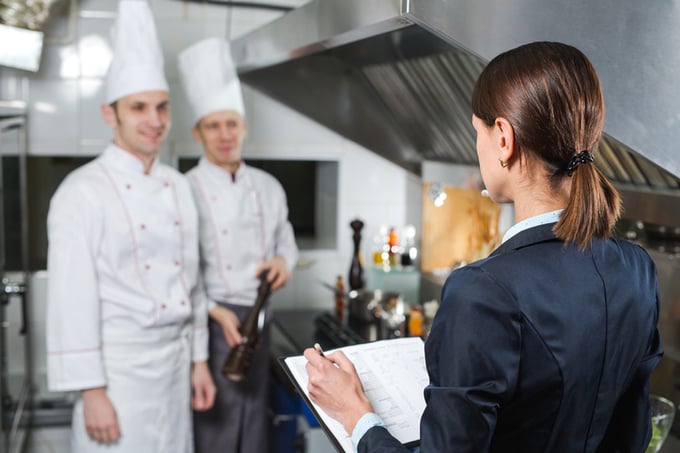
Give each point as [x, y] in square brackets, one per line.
[317, 346]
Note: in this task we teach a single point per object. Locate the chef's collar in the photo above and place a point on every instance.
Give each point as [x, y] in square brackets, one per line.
[221, 172]
[541, 219]
[125, 160]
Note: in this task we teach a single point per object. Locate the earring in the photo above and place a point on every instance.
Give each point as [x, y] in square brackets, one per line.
[503, 164]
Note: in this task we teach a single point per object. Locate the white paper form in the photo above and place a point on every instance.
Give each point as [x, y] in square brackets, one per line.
[393, 375]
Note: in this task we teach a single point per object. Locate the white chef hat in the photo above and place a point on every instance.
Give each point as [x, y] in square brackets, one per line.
[137, 63]
[209, 78]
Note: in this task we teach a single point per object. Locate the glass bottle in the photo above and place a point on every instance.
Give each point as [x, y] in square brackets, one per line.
[339, 299]
[393, 242]
[415, 321]
[381, 248]
[409, 252]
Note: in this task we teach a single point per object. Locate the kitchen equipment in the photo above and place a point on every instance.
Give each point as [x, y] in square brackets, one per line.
[374, 314]
[364, 304]
[392, 314]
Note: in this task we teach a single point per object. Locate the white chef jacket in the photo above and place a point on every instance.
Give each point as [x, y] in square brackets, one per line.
[122, 266]
[243, 223]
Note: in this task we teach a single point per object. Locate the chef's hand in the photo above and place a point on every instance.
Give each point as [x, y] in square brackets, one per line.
[229, 322]
[101, 422]
[203, 386]
[278, 272]
[335, 386]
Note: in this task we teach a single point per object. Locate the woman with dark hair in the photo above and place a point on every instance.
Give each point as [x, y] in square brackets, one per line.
[548, 344]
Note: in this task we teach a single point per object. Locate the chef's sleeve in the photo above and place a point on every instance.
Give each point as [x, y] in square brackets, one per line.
[200, 303]
[74, 347]
[285, 237]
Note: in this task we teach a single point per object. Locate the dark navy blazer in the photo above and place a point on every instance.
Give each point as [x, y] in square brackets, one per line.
[541, 347]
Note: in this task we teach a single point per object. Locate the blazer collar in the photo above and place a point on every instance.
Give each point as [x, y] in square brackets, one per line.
[530, 236]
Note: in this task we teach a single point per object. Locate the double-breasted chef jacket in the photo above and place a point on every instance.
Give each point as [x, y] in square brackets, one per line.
[541, 348]
[244, 222]
[123, 308]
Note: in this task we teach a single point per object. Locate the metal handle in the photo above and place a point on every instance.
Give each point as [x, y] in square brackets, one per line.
[9, 289]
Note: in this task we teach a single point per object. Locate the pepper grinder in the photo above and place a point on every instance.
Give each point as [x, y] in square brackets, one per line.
[356, 271]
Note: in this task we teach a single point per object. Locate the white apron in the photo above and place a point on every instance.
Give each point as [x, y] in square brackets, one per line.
[150, 393]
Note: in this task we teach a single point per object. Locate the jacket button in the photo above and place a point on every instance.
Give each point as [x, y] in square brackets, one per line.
[184, 302]
[147, 266]
[142, 226]
[163, 306]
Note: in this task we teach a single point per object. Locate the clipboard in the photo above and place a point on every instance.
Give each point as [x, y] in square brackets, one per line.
[394, 376]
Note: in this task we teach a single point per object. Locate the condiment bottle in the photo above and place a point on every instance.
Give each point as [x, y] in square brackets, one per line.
[415, 322]
[339, 299]
[393, 241]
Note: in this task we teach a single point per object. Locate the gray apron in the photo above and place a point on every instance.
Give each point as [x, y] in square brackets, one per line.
[238, 422]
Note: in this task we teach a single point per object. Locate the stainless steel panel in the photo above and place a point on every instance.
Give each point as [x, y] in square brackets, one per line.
[396, 76]
[632, 45]
[319, 25]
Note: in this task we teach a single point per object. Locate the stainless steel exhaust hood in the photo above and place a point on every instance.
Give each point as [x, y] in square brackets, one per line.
[396, 75]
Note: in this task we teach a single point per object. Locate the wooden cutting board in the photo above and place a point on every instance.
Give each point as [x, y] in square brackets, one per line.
[462, 230]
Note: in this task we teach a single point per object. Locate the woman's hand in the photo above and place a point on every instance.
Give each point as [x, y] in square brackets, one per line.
[335, 386]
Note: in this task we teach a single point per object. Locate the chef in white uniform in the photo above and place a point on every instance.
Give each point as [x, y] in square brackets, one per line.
[126, 326]
[244, 229]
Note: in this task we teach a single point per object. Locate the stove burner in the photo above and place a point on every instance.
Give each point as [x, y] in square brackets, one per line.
[333, 334]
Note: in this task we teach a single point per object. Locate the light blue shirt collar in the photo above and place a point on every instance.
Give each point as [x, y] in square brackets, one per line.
[541, 219]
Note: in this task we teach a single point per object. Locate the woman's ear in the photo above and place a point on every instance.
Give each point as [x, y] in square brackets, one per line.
[505, 139]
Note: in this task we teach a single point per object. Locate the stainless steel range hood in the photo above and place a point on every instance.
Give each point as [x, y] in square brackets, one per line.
[396, 75]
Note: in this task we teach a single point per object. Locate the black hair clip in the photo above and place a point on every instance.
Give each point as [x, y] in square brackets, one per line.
[577, 159]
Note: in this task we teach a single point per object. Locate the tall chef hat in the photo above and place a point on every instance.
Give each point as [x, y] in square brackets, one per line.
[209, 78]
[137, 63]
